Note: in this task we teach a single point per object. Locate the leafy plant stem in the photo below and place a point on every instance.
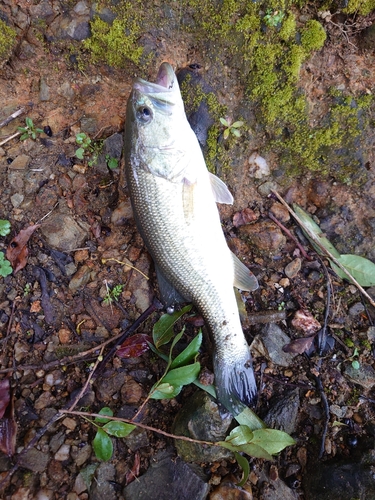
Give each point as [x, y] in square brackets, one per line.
[323, 249]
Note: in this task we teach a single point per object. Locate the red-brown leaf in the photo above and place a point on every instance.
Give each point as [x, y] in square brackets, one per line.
[133, 473]
[17, 250]
[8, 425]
[299, 346]
[134, 346]
[4, 395]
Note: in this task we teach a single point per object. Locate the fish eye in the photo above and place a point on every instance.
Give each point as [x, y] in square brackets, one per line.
[144, 114]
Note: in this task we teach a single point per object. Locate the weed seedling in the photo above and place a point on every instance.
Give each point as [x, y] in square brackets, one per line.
[29, 131]
[274, 18]
[111, 162]
[231, 128]
[113, 294]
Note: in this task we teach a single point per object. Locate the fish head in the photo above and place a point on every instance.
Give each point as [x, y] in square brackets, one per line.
[156, 130]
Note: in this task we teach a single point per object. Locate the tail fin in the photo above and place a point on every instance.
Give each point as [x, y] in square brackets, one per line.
[235, 384]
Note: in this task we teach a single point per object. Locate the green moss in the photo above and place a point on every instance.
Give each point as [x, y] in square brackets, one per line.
[7, 41]
[313, 36]
[362, 7]
[288, 28]
[114, 44]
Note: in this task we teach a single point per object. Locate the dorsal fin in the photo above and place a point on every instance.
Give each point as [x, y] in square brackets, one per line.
[243, 277]
[220, 190]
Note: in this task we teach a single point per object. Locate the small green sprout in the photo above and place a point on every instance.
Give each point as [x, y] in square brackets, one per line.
[4, 227]
[29, 131]
[111, 162]
[27, 289]
[5, 266]
[231, 128]
[274, 18]
[84, 142]
[113, 294]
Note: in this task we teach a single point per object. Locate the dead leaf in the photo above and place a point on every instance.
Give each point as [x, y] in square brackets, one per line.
[4, 395]
[8, 425]
[299, 346]
[134, 346]
[243, 217]
[133, 473]
[17, 250]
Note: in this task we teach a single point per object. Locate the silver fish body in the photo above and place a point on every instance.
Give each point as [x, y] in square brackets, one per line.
[174, 202]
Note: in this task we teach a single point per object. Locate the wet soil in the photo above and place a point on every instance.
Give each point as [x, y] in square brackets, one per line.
[55, 321]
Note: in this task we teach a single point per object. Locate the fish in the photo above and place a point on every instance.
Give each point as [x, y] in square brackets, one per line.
[174, 199]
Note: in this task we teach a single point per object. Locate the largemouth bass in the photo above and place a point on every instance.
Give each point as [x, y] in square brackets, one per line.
[174, 202]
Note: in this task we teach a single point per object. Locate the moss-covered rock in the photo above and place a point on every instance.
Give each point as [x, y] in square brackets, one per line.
[7, 42]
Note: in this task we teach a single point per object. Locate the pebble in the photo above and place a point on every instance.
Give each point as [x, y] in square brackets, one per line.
[17, 199]
[21, 162]
[62, 453]
[69, 423]
[356, 309]
[270, 343]
[264, 235]
[258, 166]
[63, 233]
[293, 268]
[65, 335]
[280, 212]
[80, 279]
[44, 90]
[283, 413]
[364, 376]
[34, 460]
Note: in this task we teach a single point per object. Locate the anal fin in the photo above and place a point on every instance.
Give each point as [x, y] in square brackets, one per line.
[168, 293]
[243, 277]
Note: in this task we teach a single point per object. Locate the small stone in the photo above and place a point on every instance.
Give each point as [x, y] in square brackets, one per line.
[63, 233]
[34, 460]
[81, 8]
[293, 268]
[44, 91]
[69, 423]
[258, 166]
[371, 333]
[364, 375]
[270, 343]
[265, 235]
[17, 199]
[21, 162]
[62, 453]
[80, 279]
[122, 213]
[356, 309]
[81, 169]
[284, 282]
[81, 256]
[44, 400]
[65, 336]
[280, 212]
[338, 411]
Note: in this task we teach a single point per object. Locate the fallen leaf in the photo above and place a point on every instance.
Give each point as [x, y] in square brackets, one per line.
[4, 395]
[8, 425]
[17, 250]
[134, 346]
[133, 473]
[299, 346]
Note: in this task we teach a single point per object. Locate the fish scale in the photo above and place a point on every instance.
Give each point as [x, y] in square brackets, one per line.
[176, 214]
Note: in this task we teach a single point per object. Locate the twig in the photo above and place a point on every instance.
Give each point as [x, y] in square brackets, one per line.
[291, 236]
[143, 426]
[324, 250]
[10, 138]
[323, 396]
[12, 117]
[125, 264]
[323, 335]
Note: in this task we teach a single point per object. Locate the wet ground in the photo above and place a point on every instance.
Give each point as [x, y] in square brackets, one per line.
[55, 316]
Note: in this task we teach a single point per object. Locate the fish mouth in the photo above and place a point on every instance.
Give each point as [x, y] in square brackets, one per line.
[166, 83]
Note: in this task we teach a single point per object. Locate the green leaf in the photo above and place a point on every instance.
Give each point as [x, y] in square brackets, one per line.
[29, 122]
[314, 228]
[24, 136]
[362, 270]
[189, 353]
[224, 122]
[39, 130]
[245, 466]
[235, 132]
[104, 411]
[81, 138]
[247, 417]
[103, 446]
[165, 391]
[355, 364]
[163, 329]
[5, 266]
[22, 129]
[79, 153]
[4, 227]
[272, 440]
[183, 375]
[210, 389]
[226, 133]
[237, 124]
[118, 429]
[240, 440]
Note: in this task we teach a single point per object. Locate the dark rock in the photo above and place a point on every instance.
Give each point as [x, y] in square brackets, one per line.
[167, 479]
[270, 343]
[200, 419]
[284, 413]
[103, 484]
[34, 460]
[343, 480]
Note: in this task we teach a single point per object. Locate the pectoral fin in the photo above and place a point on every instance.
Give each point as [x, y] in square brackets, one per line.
[243, 277]
[168, 294]
[220, 190]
